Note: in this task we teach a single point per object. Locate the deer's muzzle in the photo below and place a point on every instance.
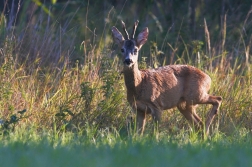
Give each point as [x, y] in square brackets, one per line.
[127, 61]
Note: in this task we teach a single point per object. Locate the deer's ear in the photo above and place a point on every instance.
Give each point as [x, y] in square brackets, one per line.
[142, 37]
[118, 37]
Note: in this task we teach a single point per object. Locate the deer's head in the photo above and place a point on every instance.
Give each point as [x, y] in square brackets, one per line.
[130, 46]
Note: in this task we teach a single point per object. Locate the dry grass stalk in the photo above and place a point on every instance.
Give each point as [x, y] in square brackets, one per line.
[223, 39]
[207, 36]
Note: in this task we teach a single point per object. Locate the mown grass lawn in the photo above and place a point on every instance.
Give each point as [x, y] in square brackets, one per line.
[31, 150]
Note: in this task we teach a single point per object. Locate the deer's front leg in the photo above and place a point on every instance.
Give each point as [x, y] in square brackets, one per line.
[141, 112]
[141, 119]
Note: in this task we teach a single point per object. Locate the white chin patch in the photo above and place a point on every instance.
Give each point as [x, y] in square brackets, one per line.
[128, 66]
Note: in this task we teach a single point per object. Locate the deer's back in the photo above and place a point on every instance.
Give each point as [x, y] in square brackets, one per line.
[165, 86]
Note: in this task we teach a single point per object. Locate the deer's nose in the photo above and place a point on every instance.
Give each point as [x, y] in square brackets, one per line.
[128, 61]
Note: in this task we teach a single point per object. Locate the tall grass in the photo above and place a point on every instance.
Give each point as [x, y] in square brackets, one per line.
[62, 88]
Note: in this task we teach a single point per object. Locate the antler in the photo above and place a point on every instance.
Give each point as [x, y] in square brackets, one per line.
[134, 29]
[124, 29]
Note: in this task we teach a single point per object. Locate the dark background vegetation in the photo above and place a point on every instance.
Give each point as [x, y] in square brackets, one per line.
[174, 25]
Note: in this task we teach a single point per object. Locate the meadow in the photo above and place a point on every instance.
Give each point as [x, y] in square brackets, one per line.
[28, 148]
[63, 99]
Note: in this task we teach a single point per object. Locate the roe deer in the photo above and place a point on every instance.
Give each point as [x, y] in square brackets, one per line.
[153, 90]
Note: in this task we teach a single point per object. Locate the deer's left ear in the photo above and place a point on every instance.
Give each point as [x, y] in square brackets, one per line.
[118, 37]
[142, 37]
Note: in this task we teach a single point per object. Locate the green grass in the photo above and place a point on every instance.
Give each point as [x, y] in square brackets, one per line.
[31, 149]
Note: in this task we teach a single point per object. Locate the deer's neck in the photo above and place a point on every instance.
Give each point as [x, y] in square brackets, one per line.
[132, 78]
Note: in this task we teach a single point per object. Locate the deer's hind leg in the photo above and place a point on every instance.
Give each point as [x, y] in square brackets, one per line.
[189, 111]
[216, 102]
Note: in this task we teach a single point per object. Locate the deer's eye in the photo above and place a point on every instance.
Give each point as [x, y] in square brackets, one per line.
[122, 50]
[135, 51]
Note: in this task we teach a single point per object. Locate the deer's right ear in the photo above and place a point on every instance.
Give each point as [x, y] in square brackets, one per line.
[118, 37]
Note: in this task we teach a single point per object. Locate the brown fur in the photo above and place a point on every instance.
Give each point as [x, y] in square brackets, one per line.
[154, 90]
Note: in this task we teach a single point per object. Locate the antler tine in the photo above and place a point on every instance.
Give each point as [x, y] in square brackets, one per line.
[124, 29]
[134, 29]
